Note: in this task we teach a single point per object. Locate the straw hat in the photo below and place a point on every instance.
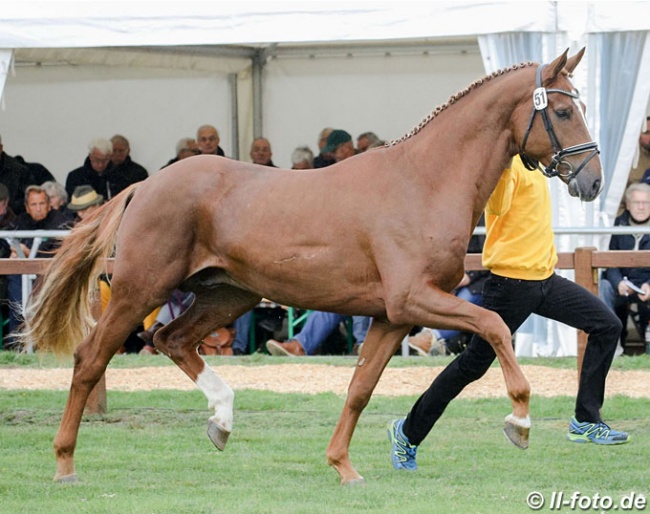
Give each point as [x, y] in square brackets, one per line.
[84, 197]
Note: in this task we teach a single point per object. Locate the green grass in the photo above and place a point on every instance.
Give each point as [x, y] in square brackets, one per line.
[150, 454]
[12, 359]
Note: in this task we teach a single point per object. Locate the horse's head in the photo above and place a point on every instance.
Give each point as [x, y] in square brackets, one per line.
[557, 140]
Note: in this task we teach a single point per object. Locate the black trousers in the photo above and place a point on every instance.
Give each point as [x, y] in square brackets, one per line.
[514, 300]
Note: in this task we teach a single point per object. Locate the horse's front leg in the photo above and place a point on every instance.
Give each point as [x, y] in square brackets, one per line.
[381, 343]
[517, 424]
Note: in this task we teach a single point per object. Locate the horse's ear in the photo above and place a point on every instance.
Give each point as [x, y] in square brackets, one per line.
[572, 62]
[555, 68]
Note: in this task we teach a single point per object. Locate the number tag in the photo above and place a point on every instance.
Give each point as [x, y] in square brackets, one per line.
[539, 99]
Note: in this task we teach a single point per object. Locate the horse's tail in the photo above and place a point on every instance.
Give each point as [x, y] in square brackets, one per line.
[58, 315]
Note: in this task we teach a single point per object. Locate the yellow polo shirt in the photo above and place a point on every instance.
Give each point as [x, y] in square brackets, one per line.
[519, 239]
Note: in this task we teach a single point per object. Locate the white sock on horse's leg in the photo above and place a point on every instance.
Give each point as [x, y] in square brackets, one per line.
[220, 397]
[515, 420]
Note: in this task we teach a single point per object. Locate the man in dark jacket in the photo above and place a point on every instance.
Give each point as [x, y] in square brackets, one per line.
[16, 177]
[125, 171]
[96, 171]
[623, 286]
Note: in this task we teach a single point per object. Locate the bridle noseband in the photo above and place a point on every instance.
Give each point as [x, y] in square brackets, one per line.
[540, 104]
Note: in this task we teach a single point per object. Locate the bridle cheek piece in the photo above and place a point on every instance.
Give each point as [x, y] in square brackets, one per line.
[558, 166]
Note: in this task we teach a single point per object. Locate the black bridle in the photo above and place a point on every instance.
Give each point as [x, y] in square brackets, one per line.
[540, 104]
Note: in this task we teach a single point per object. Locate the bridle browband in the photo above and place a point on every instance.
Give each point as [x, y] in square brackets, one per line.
[540, 104]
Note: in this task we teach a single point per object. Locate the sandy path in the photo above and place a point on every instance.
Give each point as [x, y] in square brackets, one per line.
[317, 378]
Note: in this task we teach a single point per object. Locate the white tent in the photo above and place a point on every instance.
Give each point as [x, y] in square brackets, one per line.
[155, 71]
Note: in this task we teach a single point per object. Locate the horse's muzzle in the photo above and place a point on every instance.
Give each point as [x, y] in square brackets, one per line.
[586, 190]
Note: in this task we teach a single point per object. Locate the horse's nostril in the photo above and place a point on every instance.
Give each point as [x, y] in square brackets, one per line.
[596, 187]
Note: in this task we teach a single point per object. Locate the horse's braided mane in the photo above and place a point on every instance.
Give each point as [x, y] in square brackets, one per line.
[454, 98]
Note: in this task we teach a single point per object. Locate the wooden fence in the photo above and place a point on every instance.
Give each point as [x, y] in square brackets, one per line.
[587, 263]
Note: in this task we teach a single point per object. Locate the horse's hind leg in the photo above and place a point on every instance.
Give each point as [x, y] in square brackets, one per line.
[382, 341]
[91, 359]
[213, 308]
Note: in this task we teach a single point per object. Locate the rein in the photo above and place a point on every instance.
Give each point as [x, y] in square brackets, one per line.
[540, 104]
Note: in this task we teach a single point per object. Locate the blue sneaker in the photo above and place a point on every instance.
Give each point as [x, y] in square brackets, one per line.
[403, 453]
[598, 433]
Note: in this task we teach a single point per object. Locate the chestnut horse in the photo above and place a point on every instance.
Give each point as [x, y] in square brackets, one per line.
[382, 234]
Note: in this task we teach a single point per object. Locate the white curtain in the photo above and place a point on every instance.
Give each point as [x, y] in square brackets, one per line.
[621, 87]
[5, 65]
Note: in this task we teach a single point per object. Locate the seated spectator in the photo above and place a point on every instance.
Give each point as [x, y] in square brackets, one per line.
[339, 145]
[617, 286]
[366, 140]
[7, 215]
[85, 200]
[39, 172]
[317, 328]
[302, 158]
[38, 215]
[58, 198]
[95, 171]
[261, 152]
[16, 178]
[444, 342]
[125, 172]
[207, 138]
[323, 160]
[186, 147]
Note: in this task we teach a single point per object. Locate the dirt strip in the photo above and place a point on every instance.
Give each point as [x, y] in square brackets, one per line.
[317, 378]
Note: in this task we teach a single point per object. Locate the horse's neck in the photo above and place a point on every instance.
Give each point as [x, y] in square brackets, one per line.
[466, 147]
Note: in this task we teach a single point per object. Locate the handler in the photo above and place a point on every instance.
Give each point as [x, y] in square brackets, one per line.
[520, 254]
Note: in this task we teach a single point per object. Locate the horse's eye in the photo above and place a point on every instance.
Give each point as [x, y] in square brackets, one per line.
[563, 115]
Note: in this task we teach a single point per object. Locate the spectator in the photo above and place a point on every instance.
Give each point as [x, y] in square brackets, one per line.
[85, 200]
[444, 342]
[7, 215]
[186, 147]
[318, 327]
[617, 283]
[95, 171]
[58, 199]
[323, 160]
[16, 178]
[125, 172]
[302, 158]
[520, 254]
[57, 193]
[40, 173]
[38, 215]
[261, 152]
[339, 145]
[366, 140]
[207, 137]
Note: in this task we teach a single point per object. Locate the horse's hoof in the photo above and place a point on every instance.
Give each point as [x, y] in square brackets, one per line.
[517, 431]
[354, 481]
[67, 479]
[217, 434]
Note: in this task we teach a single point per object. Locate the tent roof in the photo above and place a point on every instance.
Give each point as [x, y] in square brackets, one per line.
[85, 24]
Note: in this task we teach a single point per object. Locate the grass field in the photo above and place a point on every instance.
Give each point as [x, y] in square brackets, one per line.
[150, 454]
